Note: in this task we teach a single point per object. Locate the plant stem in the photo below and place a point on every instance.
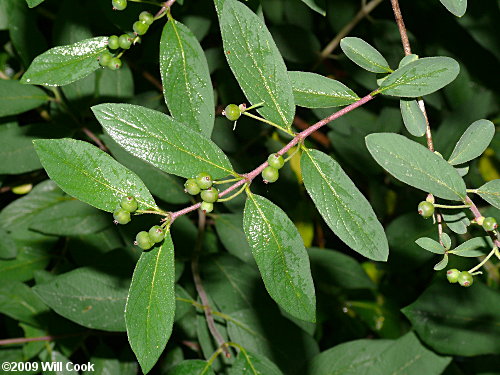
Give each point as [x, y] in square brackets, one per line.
[146, 2]
[248, 178]
[166, 6]
[451, 207]
[268, 122]
[484, 260]
[199, 285]
[234, 195]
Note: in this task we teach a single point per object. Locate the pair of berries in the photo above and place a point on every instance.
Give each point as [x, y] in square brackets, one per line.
[141, 26]
[128, 205]
[107, 60]
[464, 278]
[271, 172]
[202, 184]
[123, 41]
[425, 209]
[146, 240]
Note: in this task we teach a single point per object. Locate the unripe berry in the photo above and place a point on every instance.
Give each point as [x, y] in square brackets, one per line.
[191, 187]
[426, 209]
[207, 207]
[129, 204]
[204, 180]
[156, 234]
[465, 279]
[452, 275]
[232, 112]
[121, 216]
[210, 195]
[140, 27]
[146, 17]
[143, 240]
[119, 4]
[105, 58]
[125, 41]
[276, 161]
[490, 224]
[115, 63]
[113, 42]
[270, 174]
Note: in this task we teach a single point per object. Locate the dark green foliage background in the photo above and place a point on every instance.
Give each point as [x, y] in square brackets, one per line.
[402, 303]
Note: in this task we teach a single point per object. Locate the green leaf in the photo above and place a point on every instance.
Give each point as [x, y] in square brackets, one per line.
[8, 248]
[415, 165]
[342, 206]
[187, 87]
[469, 247]
[70, 218]
[18, 301]
[473, 142]
[413, 117]
[456, 7]
[256, 63]
[490, 192]
[281, 257]
[162, 185]
[420, 77]
[446, 240]
[28, 260]
[171, 146]
[191, 367]
[364, 55]
[230, 230]
[379, 357]
[430, 245]
[90, 175]
[457, 321]
[18, 98]
[248, 363]
[312, 90]
[457, 223]
[62, 65]
[34, 3]
[93, 298]
[441, 264]
[149, 313]
[314, 6]
[335, 268]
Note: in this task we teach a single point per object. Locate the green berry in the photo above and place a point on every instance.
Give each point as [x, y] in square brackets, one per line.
[465, 279]
[146, 17]
[210, 195]
[156, 234]
[129, 204]
[115, 63]
[140, 27]
[276, 161]
[105, 58]
[113, 42]
[452, 275]
[191, 186]
[125, 41]
[270, 174]
[143, 240]
[119, 4]
[121, 216]
[490, 224]
[426, 209]
[207, 207]
[204, 181]
[232, 112]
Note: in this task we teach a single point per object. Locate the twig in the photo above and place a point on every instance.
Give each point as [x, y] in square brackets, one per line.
[334, 43]
[318, 137]
[248, 178]
[201, 290]
[166, 6]
[94, 138]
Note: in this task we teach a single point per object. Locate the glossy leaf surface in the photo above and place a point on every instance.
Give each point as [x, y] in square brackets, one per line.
[364, 55]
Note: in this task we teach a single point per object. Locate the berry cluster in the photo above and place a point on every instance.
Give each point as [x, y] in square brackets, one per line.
[271, 172]
[464, 278]
[146, 240]
[128, 205]
[202, 184]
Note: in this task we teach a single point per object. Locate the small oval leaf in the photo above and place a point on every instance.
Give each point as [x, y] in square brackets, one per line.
[456, 7]
[420, 77]
[364, 55]
[490, 192]
[90, 175]
[413, 117]
[281, 257]
[473, 142]
[62, 65]
[342, 206]
[442, 264]
[312, 90]
[415, 165]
